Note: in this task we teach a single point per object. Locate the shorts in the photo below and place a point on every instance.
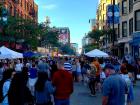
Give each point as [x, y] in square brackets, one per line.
[32, 81]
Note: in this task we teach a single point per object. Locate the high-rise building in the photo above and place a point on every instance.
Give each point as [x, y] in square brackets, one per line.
[26, 9]
[93, 24]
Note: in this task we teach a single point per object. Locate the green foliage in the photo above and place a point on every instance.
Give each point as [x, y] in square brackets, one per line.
[21, 29]
[90, 47]
[50, 37]
[66, 49]
[31, 32]
[96, 34]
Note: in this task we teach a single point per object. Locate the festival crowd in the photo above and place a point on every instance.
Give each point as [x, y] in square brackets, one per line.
[46, 81]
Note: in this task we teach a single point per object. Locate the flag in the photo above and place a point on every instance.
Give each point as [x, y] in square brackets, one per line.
[110, 14]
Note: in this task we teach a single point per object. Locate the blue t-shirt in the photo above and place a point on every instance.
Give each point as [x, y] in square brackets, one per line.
[115, 88]
[32, 73]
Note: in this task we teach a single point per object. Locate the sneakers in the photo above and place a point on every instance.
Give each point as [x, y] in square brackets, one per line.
[92, 95]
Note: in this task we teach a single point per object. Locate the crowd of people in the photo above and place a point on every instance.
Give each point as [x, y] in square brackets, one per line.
[51, 81]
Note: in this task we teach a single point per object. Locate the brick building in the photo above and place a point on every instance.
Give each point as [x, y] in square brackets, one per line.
[27, 9]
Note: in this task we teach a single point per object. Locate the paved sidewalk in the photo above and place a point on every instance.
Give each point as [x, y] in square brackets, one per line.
[81, 96]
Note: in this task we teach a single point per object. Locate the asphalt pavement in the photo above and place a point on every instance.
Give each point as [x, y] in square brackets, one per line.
[81, 95]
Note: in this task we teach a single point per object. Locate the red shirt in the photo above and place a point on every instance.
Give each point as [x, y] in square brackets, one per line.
[63, 82]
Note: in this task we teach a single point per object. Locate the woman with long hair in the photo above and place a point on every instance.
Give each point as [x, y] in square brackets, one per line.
[19, 93]
[43, 90]
[4, 86]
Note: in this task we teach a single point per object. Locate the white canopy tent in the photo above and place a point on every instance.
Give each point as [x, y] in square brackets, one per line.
[6, 53]
[96, 53]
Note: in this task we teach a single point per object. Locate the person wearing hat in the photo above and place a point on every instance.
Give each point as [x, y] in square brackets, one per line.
[114, 88]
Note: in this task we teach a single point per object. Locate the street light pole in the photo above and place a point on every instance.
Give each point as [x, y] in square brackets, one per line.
[113, 28]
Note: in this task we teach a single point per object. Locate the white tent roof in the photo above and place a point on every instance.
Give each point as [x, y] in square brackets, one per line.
[6, 53]
[96, 53]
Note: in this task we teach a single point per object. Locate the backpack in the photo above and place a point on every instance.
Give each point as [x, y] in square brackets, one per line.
[1, 91]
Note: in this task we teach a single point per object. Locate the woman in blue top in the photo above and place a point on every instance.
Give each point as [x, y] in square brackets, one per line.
[32, 78]
[43, 90]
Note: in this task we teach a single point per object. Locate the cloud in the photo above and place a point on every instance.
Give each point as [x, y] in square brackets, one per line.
[49, 7]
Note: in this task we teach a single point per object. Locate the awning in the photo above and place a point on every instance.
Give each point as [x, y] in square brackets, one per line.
[136, 39]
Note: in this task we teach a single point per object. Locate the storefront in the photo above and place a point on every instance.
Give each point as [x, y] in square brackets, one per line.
[135, 43]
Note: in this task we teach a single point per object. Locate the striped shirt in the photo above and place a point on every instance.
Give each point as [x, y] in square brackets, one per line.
[67, 66]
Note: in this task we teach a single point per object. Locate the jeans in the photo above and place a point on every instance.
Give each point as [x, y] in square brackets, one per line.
[62, 102]
[92, 83]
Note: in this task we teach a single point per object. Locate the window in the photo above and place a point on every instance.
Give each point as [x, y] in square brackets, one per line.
[130, 5]
[15, 12]
[25, 5]
[10, 10]
[103, 17]
[124, 29]
[124, 7]
[131, 26]
[21, 3]
[104, 6]
[137, 20]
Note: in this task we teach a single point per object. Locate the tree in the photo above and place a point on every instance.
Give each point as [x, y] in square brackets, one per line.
[50, 37]
[21, 29]
[96, 34]
[90, 47]
[66, 49]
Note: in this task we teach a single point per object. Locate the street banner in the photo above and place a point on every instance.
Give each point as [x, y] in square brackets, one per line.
[110, 14]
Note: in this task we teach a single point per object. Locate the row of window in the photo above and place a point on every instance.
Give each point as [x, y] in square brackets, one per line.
[125, 7]
[27, 5]
[17, 13]
[137, 25]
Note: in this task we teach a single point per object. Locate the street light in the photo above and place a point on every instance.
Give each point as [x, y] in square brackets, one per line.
[113, 22]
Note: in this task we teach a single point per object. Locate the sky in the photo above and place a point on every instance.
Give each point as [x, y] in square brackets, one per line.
[74, 14]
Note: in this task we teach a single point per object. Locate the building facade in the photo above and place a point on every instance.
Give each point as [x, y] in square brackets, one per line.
[129, 34]
[92, 24]
[64, 35]
[26, 9]
[101, 14]
[87, 41]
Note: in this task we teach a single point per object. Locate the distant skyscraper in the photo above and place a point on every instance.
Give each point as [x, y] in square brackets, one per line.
[93, 24]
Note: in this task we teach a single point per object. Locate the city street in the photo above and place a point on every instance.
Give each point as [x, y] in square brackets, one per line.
[81, 96]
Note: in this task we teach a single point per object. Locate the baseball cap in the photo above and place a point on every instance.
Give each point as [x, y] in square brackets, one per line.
[109, 66]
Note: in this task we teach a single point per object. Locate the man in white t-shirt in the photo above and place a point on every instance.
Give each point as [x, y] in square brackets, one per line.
[18, 66]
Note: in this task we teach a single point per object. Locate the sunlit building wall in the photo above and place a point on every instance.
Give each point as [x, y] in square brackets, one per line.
[101, 13]
[26, 9]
